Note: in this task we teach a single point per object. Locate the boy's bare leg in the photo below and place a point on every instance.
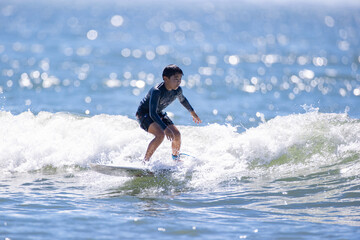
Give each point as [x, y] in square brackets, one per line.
[157, 131]
[176, 143]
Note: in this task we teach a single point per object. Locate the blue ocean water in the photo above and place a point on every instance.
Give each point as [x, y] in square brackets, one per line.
[276, 84]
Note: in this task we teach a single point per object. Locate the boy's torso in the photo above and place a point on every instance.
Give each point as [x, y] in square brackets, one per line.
[165, 99]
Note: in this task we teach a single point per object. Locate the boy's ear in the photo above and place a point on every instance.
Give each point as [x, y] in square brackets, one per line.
[165, 78]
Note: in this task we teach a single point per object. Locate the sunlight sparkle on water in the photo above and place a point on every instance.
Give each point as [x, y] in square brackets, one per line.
[92, 34]
[117, 20]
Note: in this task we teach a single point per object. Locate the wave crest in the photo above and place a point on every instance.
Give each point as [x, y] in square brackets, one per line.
[282, 146]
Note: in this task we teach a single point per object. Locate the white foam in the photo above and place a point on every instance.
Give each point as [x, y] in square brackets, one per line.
[30, 142]
[279, 147]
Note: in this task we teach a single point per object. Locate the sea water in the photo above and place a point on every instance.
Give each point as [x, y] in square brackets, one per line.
[276, 84]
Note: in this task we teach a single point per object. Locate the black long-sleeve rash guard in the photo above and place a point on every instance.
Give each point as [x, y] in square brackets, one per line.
[157, 99]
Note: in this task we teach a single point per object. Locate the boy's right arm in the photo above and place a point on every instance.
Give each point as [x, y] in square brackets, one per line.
[169, 134]
[153, 103]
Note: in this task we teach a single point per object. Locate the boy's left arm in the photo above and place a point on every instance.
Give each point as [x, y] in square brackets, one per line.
[196, 118]
[187, 105]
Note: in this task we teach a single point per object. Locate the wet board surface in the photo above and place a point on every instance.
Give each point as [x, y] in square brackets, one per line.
[121, 171]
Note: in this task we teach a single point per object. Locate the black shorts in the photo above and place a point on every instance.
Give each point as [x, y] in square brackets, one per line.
[145, 121]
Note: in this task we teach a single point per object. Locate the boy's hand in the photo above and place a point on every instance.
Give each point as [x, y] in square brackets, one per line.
[169, 134]
[196, 118]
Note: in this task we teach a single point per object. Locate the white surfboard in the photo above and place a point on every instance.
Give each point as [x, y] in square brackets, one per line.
[121, 171]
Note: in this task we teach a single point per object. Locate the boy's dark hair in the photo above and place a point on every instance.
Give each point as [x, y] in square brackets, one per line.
[170, 70]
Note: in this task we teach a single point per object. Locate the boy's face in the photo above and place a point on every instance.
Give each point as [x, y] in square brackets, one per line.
[173, 82]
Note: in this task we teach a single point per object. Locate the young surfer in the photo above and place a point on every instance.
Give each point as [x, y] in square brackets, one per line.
[150, 113]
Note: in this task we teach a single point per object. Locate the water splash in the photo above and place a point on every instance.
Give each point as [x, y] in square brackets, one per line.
[284, 146]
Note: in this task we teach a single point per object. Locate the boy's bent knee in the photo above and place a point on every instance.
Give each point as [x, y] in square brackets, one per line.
[160, 135]
[156, 130]
[177, 135]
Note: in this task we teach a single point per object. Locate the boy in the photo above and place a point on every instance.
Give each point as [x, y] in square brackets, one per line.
[150, 113]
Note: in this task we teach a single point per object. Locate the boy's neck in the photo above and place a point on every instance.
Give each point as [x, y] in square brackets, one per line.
[167, 87]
